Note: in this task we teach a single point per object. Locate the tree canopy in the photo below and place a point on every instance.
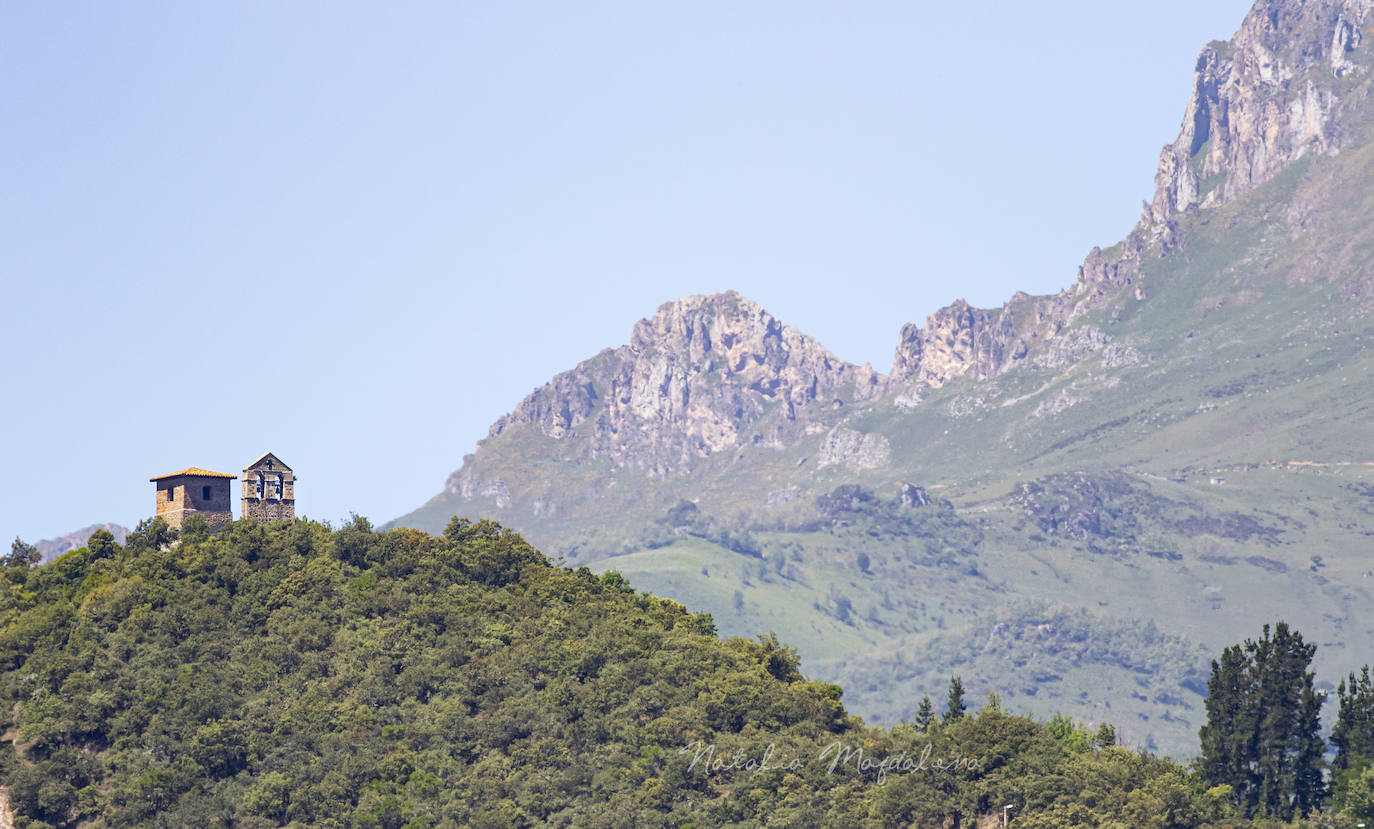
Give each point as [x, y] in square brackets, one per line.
[291, 673]
[1263, 735]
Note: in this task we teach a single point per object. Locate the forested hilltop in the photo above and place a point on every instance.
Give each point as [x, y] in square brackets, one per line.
[294, 674]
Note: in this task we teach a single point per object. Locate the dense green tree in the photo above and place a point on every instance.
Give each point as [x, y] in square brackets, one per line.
[22, 555]
[1358, 795]
[1263, 735]
[1353, 734]
[1073, 736]
[925, 714]
[151, 534]
[1228, 738]
[194, 527]
[290, 674]
[102, 544]
[954, 701]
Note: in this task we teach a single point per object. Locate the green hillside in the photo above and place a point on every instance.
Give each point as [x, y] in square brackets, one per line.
[290, 674]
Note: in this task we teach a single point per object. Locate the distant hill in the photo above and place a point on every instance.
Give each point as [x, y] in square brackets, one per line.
[51, 548]
[1179, 442]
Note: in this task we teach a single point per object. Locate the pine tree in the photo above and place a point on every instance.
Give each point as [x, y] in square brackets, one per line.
[1106, 735]
[1263, 734]
[1227, 738]
[1309, 784]
[954, 707]
[925, 713]
[1353, 734]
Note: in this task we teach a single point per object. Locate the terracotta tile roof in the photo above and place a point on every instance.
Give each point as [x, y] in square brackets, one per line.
[194, 472]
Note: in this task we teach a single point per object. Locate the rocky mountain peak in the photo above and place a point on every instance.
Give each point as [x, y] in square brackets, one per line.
[693, 379]
[51, 548]
[1275, 92]
[735, 336]
[961, 340]
[709, 373]
[1288, 84]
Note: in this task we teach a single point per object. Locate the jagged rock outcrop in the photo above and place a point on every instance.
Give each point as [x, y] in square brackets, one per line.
[1278, 90]
[856, 450]
[1261, 101]
[1100, 274]
[704, 368]
[960, 340]
[911, 495]
[693, 380]
[1077, 344]
[1071, 347]
[707, 375]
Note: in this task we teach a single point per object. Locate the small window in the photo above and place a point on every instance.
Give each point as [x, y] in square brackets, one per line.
[205, 493]
[171, 493]
[276, 486]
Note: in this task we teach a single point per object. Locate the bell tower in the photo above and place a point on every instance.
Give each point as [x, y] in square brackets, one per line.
[269, 490]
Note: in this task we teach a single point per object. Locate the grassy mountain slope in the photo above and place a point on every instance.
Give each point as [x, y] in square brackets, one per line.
[1184, 441]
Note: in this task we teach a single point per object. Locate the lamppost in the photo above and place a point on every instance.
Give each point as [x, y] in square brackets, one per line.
[1007, 808]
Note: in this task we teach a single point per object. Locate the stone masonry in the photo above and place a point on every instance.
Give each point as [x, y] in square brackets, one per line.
[269, 490]
[194, 490]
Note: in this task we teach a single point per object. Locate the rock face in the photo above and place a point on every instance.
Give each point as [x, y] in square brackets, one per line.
[1283, 87]
[914, 496]
[707, 375]
[853, 449]
[959, 340]
[1266, 98]
[700, 376]
[692, 382]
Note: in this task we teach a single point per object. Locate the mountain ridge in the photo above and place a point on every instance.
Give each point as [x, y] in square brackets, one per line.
[1233, 128]
[644, 391]
[1160, 441]
[51, 548]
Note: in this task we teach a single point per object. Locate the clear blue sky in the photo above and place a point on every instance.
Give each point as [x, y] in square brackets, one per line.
[355, 235]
